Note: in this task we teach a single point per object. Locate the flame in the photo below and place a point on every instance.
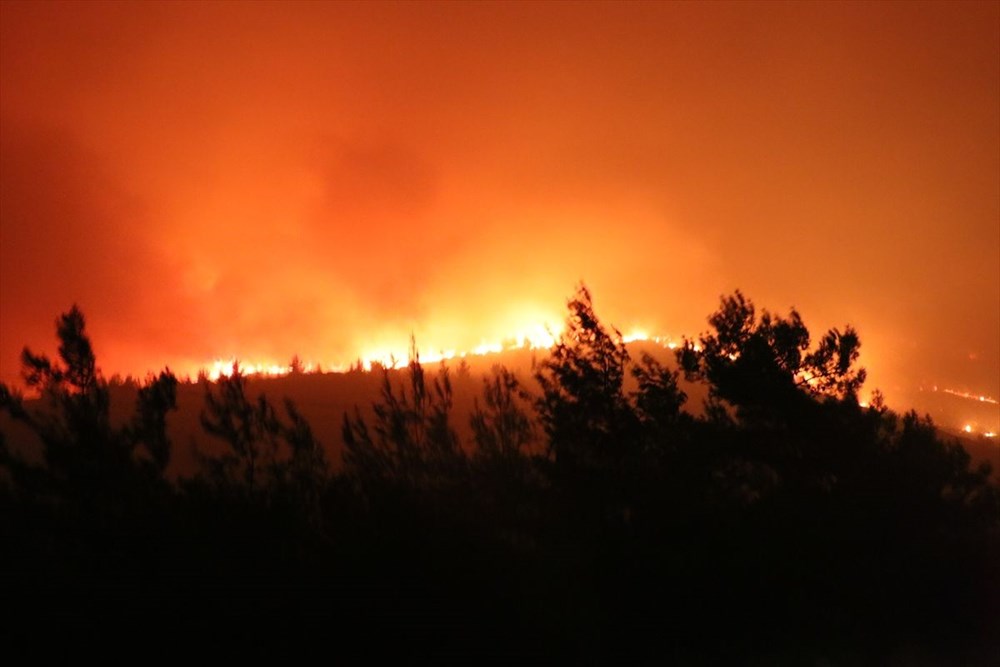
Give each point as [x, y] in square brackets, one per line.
[225, 367]
[972, 429]
[535, 337]
[808, 377]
[636, 335]
[539, 336]
[972, 397]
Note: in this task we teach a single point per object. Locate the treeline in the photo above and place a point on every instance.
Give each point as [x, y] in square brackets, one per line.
[590, 517]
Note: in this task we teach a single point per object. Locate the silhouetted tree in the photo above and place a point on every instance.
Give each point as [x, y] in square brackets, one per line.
[583, 407]
[762, 366]
[789, 517]
[412, 440]
[83, 452]
[501, 428]
[149, 425]
[658, 402]
[308, 472]
[249, 428]
[272, 463]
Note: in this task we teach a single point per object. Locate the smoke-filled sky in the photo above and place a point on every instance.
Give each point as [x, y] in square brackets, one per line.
[259, 180]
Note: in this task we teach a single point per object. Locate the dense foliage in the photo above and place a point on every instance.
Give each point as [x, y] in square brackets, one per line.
[590, 517]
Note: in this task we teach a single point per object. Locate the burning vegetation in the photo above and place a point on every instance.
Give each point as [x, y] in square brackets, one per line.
[583, 511]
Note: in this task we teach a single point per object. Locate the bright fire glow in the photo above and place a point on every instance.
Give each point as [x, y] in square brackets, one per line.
[972, 429]
[634, 335]
[535, 337]
[802, 376]
[224, 368]
[972, 397]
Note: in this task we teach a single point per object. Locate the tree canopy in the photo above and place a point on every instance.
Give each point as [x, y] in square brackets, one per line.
[589, 511]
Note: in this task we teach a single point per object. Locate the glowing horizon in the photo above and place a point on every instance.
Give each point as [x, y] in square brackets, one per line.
[209, 180]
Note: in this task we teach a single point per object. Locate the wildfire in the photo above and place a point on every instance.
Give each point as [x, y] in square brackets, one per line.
[224, 368]
[535, 337]
[636, 334]
[972, 429]
[972, 397]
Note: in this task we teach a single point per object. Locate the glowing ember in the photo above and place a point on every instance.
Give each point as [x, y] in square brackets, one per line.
[972, 397]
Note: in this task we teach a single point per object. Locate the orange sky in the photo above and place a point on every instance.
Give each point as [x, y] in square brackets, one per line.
[260, 180]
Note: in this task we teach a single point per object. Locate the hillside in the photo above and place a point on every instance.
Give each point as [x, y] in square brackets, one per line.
[324, 398]
[463, 517]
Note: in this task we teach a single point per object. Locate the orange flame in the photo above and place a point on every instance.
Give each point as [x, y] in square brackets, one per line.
[534, 337]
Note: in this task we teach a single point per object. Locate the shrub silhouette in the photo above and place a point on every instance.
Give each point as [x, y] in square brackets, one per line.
[501, 428]
[412, 441]
[583, 408]
[762, 365]
[267, 460]
[86, 457]
[249, 428]
[586, 517]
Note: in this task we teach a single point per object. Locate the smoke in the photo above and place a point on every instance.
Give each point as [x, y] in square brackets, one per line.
[208, 181]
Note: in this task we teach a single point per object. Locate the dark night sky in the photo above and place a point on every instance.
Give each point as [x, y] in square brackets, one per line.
[258, 180]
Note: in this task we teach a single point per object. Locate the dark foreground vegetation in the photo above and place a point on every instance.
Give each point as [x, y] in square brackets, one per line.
[585, 520]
